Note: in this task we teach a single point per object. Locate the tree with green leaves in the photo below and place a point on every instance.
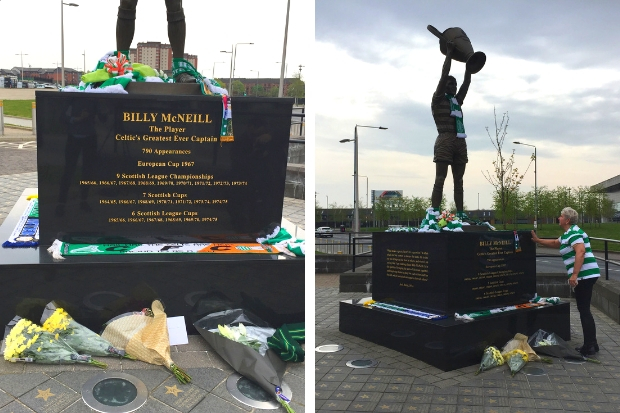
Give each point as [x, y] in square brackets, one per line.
[238, 88]
[297, 88]
[257, 90]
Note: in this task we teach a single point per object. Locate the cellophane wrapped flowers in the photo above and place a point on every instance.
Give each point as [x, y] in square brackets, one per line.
[515, 359]
[57, 321]
[145, 337]
[28, 342]
[491, 357]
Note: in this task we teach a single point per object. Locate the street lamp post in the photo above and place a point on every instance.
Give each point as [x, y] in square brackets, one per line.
[57, 67]
[257, 77]
[233, 58]
[62, 39]
[283, 67]
[356, 212]
[235, 61]
[282, 78]
[231, 61]
[22, 63]
[84, 54]
[364, 176]
[535, 184]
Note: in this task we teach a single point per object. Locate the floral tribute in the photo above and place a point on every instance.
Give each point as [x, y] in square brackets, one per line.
[515, 359]
[238, 334]
[491, 357]
[118, 65]
[83, 340]
[30, 343]
[145, 336]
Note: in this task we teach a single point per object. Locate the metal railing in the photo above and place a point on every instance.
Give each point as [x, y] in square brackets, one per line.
[606, 251]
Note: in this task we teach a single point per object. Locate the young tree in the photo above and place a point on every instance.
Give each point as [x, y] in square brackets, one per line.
[238, 88]
[506, 178]
[297, 88]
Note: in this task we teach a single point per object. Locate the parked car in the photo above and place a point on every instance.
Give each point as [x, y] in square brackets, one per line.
[324, 232]
[616, 217]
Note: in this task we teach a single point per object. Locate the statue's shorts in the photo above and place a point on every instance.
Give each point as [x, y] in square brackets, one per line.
[450, 149]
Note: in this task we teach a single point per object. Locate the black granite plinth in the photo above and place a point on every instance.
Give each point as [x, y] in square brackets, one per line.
[94, 289]
[118, 168]
[453, 271]
[449, 344]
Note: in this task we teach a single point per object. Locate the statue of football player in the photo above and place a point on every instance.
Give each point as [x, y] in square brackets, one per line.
[450, 146]
[126, 24]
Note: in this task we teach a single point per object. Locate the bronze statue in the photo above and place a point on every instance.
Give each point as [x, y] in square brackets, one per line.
[126, 23]
[450, 146]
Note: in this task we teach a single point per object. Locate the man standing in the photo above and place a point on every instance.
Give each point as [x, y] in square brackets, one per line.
[450, 145]
[126, 24]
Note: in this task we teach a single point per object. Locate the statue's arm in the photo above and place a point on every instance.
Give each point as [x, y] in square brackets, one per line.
[445, 71]
[460, 96]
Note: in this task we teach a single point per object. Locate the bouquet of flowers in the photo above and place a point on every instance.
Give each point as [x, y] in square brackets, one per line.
[145, 336]
[239, 334]
[553, 345]
[515, 359]
[444, 218]
[57, 321]
[490, 358]
[233, 335]
[520, 342]
[28, 342]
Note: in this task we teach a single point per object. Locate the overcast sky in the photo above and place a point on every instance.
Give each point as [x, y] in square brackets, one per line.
[33, 27]
[553, 66]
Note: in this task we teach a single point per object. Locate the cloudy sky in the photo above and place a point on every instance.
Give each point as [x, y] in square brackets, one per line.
[552, 65]
[34, 28]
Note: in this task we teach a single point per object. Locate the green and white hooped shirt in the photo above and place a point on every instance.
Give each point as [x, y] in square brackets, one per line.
[575, 235]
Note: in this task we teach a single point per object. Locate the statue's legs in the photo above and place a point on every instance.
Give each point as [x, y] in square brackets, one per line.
[441, 171]
[176, 27]
[125, 24]
[176, 36]
[458, 171]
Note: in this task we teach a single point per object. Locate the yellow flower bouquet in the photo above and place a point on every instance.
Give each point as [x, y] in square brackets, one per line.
[57, 321]
[490, 358]
[29, 343]
[515, 359]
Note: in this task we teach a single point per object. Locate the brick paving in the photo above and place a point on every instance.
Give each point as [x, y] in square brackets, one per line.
[403, 384]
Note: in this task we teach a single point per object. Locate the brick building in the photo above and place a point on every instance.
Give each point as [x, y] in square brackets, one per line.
[44, 75]
[157, 55]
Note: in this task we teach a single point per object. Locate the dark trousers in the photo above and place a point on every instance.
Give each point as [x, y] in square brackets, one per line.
[583, 295]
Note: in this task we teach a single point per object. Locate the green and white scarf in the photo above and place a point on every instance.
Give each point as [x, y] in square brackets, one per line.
[457, 114]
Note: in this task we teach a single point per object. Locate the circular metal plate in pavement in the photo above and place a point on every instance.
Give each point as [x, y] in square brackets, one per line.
[251, 394]
[362, 363]
[329, 348]
[114, 393]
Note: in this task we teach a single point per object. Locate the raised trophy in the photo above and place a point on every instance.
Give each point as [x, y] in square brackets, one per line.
[463, 50]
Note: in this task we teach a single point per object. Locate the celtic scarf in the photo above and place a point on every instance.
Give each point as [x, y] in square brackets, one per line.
[207, 87]
[285, 342]
[457, 114]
